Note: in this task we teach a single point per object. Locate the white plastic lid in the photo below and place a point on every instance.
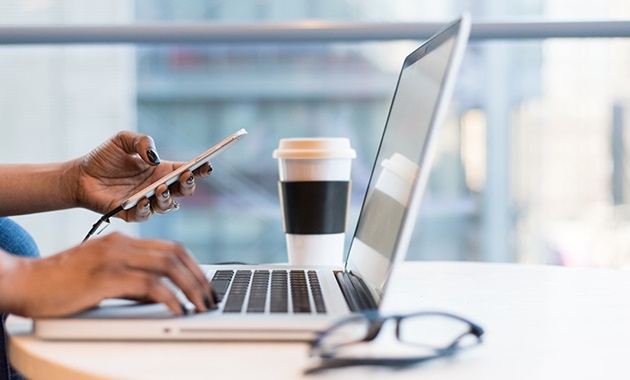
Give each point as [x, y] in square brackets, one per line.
[314, 148]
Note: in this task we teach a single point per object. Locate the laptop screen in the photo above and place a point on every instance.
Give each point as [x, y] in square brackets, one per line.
[402, 162]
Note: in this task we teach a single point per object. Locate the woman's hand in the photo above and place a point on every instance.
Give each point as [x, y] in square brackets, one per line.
[123, 165]
[114, 266]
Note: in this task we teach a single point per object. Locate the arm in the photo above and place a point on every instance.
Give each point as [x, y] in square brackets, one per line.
[30, 188]
[115, 266]
[98, 181]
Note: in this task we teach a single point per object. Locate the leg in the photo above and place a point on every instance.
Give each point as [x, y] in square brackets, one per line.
[15, 240]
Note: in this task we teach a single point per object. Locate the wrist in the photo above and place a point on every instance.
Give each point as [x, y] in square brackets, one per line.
[70, 185]
[12, 271]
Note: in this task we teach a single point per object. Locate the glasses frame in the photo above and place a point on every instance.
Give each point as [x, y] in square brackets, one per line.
[376, 322]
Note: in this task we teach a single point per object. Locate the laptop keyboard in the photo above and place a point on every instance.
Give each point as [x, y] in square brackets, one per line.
[274, 291]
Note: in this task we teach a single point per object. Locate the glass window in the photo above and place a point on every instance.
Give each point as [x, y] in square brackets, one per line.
[531, 166]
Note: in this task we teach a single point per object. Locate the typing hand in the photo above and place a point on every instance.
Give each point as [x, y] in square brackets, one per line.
[114, 266]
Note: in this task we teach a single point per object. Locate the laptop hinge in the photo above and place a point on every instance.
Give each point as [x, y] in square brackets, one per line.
[355, 291]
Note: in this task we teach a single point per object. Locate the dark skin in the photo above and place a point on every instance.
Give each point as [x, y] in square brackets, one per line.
[121, 167]
[113, 266]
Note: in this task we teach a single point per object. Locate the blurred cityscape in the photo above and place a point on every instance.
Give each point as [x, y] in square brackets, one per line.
[196, 94]
[531, 165]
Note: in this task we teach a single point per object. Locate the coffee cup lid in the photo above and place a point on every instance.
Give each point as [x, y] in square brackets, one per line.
[314, 148]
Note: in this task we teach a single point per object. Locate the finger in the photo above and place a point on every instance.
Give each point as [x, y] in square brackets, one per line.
[140, 213]
[143, 145]
[193, 265]
[171, 260]
[136, 268]
[161, 293]
[168, 266]
[203, 171]
[185, 187]
[210, 295]
[141, 285]
[162, 200]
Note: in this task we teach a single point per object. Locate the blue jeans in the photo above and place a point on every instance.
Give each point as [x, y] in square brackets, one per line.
[15, 240]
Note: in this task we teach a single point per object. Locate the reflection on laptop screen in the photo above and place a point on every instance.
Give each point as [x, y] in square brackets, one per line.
[399, 162]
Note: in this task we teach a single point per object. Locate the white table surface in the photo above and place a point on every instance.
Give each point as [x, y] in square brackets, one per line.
[541, 322]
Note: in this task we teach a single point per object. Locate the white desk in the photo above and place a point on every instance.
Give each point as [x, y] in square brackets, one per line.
[540, 322]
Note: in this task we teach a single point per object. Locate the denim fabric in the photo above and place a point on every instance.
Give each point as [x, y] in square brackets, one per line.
[15, 240]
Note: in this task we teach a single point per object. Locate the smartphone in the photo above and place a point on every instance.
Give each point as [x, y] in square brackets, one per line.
[173, 176]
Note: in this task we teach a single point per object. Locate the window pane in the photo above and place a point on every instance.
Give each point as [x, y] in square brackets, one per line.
[531, 165]
[192, 96]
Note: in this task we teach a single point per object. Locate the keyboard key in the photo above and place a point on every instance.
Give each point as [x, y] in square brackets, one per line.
[238, 290]
[299, 292]
[250, 290]
[316, 292]
[258, 292]
[221, 281]
[278, 302]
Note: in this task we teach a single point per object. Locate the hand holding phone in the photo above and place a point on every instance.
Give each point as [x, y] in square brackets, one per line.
[168, 179]
[173, 176]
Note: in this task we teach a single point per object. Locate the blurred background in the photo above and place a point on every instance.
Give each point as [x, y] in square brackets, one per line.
[532, 165]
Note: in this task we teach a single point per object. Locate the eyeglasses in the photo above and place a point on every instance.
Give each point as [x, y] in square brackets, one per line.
[418, 337]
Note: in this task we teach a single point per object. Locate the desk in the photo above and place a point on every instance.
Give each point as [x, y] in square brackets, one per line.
[541, 322]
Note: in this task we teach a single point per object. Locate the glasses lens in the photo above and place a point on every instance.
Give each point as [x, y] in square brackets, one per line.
[385, 346]
[350, 331]
[436, 331]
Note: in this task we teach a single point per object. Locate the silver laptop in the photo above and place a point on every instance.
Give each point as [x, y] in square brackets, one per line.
[272, 302]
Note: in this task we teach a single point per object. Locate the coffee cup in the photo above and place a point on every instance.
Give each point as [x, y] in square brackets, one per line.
[314, 190]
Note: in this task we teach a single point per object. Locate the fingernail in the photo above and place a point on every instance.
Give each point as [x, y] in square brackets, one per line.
[165, 194]
[209, 305]
[153, 156]
[190, 179]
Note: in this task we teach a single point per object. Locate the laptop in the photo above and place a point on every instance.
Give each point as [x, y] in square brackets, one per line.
[281, 302]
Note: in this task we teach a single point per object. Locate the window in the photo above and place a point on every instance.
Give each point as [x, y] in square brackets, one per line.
[531, 165]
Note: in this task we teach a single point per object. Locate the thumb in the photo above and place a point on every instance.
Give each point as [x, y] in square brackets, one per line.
[143, 145]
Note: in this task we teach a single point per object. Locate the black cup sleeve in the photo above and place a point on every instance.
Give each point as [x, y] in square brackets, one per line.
[314, 207]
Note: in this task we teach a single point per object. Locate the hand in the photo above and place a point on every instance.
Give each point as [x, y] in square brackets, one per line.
[123, 165]
[114, 266]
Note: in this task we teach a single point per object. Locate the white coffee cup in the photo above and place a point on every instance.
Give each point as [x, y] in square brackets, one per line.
[314, 191]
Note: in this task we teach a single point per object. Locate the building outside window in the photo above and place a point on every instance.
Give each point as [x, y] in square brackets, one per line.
[531, 166]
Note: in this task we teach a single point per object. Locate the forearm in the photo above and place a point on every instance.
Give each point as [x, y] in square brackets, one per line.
[10, 265]
[30, 188]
